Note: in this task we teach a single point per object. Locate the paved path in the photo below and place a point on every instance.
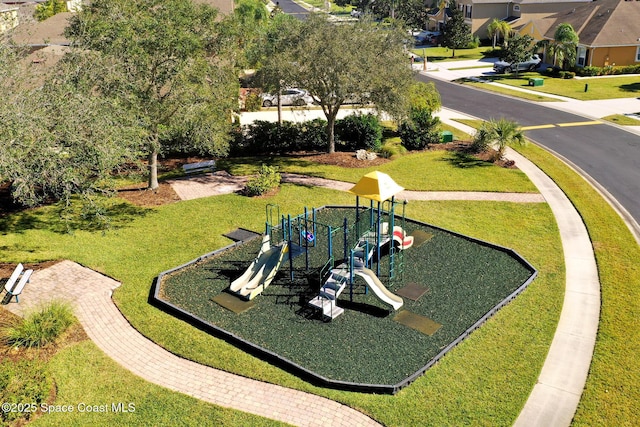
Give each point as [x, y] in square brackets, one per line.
[222, 183]
[90, 292]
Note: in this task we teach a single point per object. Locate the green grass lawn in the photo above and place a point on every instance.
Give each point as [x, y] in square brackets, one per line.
[622, 120]
[508, 91]
[483, 381]
[429, 170]
[598, 87]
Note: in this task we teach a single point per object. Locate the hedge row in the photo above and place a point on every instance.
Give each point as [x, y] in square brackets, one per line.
[607, 71]
[351, 133]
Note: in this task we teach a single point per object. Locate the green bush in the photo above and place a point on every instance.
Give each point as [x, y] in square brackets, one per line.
[25, 383]
[391, 149]
[49, 8]
[312, 136]
[267, 179]
[589, 71]
[569, 74]
[262, 137]
[474, 44]
[39, 328]
[357, 132]
[420, 130]
[253, 102]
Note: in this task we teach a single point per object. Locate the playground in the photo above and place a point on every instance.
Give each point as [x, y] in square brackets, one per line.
[357, 297]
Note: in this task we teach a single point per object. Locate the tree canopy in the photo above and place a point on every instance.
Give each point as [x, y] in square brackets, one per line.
[456, 34]
[496, 28]
[59, 141]
[564, 45]
[335, 63]
[518, 48]
[165, 69]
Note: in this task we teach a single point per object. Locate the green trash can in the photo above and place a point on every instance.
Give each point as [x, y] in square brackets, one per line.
[536, 82]
[447, 136]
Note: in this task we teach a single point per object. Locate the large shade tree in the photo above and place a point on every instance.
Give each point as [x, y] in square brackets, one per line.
[58, 139]
[336, 63]
[167, 69]
[456, 34]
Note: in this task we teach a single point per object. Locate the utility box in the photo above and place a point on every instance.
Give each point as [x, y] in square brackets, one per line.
[447, 136]
[536, 82]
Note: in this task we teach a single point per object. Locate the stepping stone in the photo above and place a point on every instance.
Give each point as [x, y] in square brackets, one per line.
[241, 234]
[412, 291]
[416, 321]
[232, 302]
[420, 237]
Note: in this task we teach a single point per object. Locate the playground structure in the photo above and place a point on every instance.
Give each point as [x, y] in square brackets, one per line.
[375, 229]
[262, 270]
[429, 320]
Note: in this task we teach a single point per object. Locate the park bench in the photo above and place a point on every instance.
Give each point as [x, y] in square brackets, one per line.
[193, 168]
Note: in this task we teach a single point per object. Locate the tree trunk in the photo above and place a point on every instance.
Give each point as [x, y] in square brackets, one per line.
[331, 121]
[279, 108]
[153, 169]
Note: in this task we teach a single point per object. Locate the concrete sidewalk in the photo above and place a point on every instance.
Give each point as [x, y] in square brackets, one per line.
[556, 395]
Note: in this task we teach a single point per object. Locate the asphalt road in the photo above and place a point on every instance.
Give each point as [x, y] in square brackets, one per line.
[608, 154]
[291, 8]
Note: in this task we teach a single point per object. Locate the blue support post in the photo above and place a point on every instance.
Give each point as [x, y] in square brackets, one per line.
[345, 238]
[290, 249]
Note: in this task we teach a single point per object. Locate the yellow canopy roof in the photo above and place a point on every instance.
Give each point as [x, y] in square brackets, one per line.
[376, 186]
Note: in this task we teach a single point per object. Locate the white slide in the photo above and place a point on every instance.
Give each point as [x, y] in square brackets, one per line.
[261, 272]
[379, 289]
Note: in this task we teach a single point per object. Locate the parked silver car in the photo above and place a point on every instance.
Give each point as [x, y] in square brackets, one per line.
[291, 96]
[531, 64]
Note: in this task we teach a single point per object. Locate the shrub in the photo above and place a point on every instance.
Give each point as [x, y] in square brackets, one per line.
[590, 71]
[253, 102]
[262, 137]
[39, 328]
[312, 136]
[49, 8]
[391, 149]
[358, 132]
[569, 74]
[473, 44]
[420, 130]
[22, 382]
[267, 179]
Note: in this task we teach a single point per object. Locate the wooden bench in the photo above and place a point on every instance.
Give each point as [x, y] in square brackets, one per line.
[192, 168]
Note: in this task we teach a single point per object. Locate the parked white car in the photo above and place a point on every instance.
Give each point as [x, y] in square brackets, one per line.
[529, 65]
[291, 96]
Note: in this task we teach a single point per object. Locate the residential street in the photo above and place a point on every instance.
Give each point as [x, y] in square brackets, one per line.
[608, 154]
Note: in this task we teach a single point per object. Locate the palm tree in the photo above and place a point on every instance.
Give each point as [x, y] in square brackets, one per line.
[499, 134]
[564, 46]
[497, 28]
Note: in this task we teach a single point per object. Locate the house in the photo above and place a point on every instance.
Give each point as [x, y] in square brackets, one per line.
[609, 31]
[479, 13]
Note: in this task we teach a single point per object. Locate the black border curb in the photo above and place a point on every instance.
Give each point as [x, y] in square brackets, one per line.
[310, 376]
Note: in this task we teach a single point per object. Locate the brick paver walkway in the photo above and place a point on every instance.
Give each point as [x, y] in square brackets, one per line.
[222, 183]
[90, 292]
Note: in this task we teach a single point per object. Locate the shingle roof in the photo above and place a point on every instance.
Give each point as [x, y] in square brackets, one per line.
[600, 23]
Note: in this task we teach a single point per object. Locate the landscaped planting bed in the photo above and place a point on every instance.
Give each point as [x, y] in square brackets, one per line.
[464, 280]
